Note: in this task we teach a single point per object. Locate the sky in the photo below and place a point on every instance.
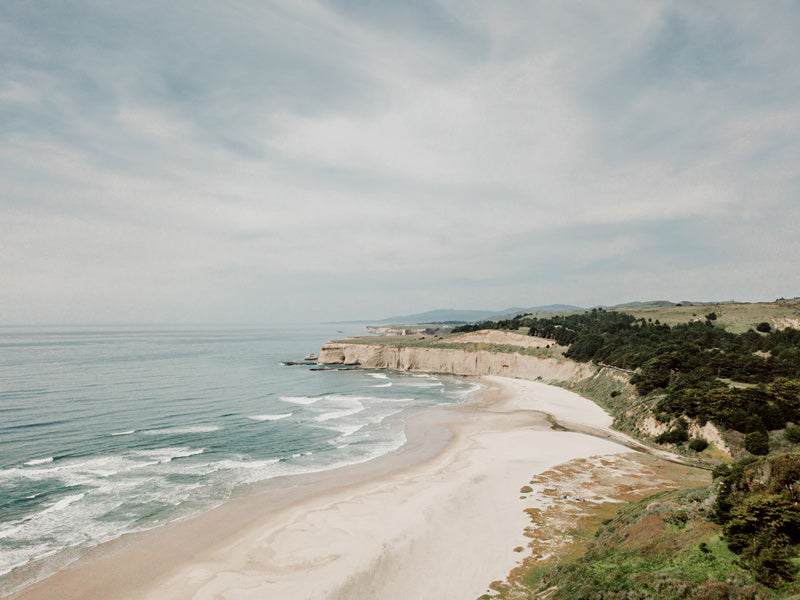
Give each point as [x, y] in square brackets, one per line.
[261, 162]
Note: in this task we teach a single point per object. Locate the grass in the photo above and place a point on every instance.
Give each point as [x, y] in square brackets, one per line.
[736, 317]
[661, 547]
[584, 503]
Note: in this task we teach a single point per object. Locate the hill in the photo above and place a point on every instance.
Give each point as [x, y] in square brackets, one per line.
[472, 316]
[736, 317]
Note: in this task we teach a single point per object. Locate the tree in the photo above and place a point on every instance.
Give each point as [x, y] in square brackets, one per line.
[712, 316]
[792, 434]
[757, 443]
[764, 327]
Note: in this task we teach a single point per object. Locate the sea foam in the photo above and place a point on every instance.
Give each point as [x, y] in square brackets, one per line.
[269, 417]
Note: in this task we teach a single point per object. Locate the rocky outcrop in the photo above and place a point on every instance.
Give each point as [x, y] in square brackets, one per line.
[454, 361]
[651, 426]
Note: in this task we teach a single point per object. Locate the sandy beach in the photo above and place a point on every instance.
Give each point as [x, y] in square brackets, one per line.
[439, 519]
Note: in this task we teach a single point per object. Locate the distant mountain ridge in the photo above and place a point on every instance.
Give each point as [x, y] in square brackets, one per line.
[471, 316]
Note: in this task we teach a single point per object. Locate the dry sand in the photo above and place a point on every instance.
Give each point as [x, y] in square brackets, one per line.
[439, 519]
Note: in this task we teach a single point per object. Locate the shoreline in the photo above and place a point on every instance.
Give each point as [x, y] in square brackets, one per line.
[160, 548]
[375, 529]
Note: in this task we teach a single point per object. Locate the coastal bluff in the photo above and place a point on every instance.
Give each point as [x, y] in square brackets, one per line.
[454, 361]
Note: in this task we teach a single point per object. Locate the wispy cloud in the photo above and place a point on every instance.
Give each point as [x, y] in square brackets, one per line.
[256, 161]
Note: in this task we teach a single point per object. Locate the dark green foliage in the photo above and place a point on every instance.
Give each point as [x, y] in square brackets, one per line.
[758, 503]
[674, 436]
[698, 444]
[757, 443]
[792, 434]
[721, 470]
[712, 316]
[509, 324]
[585, 347]
[686, 362]
[764, 327]
[677, 435]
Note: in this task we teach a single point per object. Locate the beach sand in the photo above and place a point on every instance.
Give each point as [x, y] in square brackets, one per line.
[438, 519]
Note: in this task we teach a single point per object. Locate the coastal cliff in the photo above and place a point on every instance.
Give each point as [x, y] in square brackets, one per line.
[455, 361]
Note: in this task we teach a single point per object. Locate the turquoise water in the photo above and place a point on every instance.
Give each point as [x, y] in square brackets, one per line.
[105, 431]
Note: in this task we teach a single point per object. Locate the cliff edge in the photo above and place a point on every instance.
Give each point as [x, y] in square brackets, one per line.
[455, 361]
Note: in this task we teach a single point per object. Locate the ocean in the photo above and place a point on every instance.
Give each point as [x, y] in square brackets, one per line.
[110, 430]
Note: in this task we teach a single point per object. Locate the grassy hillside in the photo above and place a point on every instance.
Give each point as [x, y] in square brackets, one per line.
[733, 317]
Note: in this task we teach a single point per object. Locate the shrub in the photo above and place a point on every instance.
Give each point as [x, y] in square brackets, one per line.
[763, 327]
[674, 436]
[721, 470]
[792, 434]
[712, 316]
[757, 443]
[698, 444]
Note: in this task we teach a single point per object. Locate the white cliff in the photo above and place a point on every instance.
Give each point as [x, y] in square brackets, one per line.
[454, 361]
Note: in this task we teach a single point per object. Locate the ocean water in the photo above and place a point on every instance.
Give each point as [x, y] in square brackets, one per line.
[105, 431]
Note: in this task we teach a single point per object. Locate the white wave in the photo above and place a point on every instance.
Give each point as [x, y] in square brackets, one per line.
[346, 399]
[165, 455]
[8, 532]
[92, 470]
[382, 385]
[269, 417]
[466, 393]
[39, 461]
[337, 414]
[379, 375]
[182, 430]
[129, 432]
[71, 473]
[346, 407]
[422, 375]
[421, 384]
[301, 399]
[396, 400]
[348, 430]
[61, 504]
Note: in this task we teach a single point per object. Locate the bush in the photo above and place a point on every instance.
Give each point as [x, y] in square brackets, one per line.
[757, 443]
[792, 434]
[698, 444]
[674, 436]
[712, 316]
[763, 327]
[721, 470]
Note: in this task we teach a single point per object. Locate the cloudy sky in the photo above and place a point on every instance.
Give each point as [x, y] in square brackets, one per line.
[257, 161]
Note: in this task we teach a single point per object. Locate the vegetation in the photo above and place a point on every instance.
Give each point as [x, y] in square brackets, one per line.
[748, 383]
[662, 548]
[736, 366]
[733, 317]
[759, 507]
[696, 369]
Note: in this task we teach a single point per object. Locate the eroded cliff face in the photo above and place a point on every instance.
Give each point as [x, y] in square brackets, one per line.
[454, 361]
